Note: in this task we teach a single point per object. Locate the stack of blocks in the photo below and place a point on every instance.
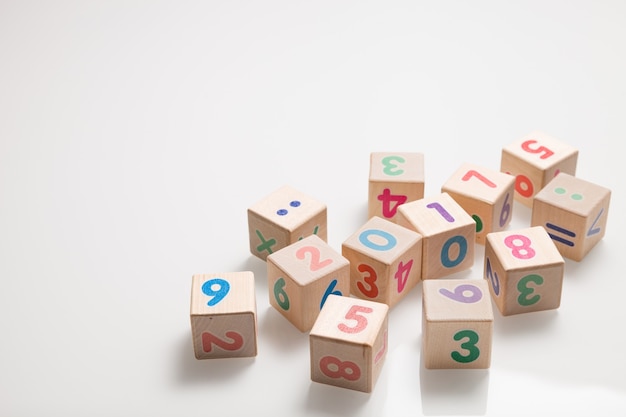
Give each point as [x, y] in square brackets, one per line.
[342, 299]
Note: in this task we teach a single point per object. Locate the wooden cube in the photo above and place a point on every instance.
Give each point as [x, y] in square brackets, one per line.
[485, 194]
[448, 234]
[457, 324]
[302, 275]
[385, 261]
[223, 315]
[395, 178]
[574, 212]
[534, 160]
[524, 270]
[282, 218]
[348, 343]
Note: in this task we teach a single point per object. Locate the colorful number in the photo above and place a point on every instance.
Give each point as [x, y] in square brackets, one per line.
[506, 211]
[523, 185]
[470, 346]
[330, 290]
[472, 173]
[546, 152]
[444, 213]
[594, 229]
[219, 294]
[347, 370]
[554, 228]
[390, 168]
[382, 350]
[479, 222]
[523, 251]
[493, 277]
[353, 314]
[315, 257]
[280, 295]
[445, 251]
[364, 238]
[390, 209]
[525, 291]
[265, 244]
[459, 293]
[402, 274]
[370, 280]
[209, 339]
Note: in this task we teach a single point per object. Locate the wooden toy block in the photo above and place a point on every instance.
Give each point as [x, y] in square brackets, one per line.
[524, 270]
[348, 343]
[534, 160]
[302, 275]
[485, 194]
[448, 234]
[574, 213]
[282, 218]
[457, 324]
[223, 315]
[395, 178]
[385, 261]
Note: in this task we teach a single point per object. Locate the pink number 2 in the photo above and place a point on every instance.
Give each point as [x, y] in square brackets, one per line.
[315, 257]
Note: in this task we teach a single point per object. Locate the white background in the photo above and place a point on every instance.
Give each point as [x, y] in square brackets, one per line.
[135, 134]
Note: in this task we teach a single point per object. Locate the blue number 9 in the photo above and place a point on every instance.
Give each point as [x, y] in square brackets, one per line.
[219, 294]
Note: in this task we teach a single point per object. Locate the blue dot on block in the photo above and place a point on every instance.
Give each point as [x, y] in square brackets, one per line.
[282, 212]
[295, 203]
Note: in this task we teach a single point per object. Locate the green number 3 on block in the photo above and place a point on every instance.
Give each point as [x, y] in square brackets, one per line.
[469, 345]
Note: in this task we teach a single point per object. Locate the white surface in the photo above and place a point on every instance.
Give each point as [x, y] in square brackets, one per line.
[134, 135]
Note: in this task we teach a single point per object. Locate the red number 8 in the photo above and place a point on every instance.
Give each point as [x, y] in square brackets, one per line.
[348, 370]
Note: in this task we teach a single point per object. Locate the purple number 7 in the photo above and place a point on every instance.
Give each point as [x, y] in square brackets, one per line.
[444, 213]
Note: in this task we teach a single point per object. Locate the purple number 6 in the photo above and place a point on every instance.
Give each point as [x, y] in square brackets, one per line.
[459, 293]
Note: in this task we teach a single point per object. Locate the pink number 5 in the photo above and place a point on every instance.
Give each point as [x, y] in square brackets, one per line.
[353, 314]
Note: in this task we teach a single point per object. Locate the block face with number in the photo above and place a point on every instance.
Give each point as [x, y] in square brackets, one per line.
[385, 261]
[282, 218]
[448, 234]
[574, 213]
[395, 178]
[348, 343]
[486, 195]
[534, 160]
[524, 271]
[302, 275]
[223, 315]
[457, 324]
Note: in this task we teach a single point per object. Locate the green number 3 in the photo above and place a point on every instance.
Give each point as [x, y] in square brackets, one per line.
[470, 346]
[525, 291]
[389, 166]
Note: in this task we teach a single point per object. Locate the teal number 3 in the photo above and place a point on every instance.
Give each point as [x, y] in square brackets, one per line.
[469, 345]
[391, 168]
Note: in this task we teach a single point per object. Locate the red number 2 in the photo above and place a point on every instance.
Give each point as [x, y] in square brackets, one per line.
[209, 339]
